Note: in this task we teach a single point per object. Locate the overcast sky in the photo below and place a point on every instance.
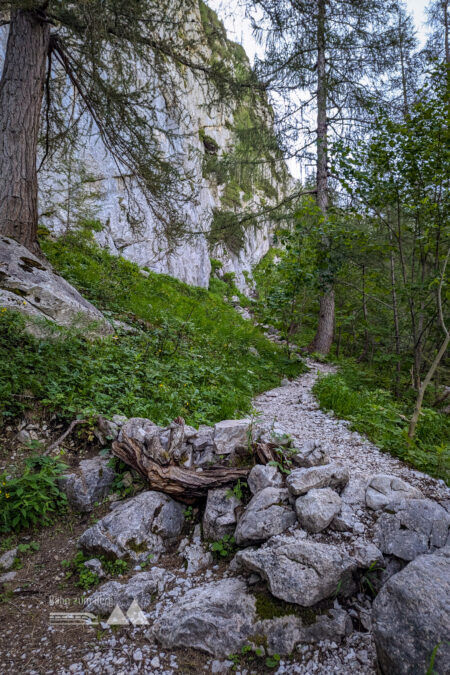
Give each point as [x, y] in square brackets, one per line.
[239, 28]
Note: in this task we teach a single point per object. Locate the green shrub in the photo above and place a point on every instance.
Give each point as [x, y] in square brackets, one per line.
[384, 421]
[29, 499]
[224, 548]
[86, 578]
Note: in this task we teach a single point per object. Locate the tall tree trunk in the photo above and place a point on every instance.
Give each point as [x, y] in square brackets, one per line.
[396, 320]
[366, 346]
[325, 330]
[21, 92]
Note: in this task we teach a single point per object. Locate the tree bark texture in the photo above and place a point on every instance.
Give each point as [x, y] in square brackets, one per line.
[21, 92]
[325, 329]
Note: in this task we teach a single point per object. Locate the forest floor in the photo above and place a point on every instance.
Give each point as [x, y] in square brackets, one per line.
[30, 644]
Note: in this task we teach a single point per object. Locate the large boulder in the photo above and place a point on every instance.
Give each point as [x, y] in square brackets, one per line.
[231, 435]
[300, 481]
[411, 527]
[299, 570]
[268, 513]
[317, 508]
[384, 489]
[91, 484]
[411, 617]
[220, 516]
[29, 285]
[263, 476]
[147, 524]
[216, 617]
[142, 587]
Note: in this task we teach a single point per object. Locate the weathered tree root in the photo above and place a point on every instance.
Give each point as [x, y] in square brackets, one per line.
[186, 485]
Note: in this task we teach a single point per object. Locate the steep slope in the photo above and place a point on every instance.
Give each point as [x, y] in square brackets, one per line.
[176, 350]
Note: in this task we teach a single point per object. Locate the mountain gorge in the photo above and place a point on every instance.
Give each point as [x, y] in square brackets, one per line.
[214, 145]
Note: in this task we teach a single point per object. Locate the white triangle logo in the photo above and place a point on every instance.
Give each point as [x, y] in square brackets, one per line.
[135, 615]
[117, 617]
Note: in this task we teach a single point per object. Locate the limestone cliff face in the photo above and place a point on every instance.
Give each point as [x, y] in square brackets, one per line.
[205, 137]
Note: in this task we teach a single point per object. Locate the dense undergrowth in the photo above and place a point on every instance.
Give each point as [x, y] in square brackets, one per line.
[190, 354]
[354, 394]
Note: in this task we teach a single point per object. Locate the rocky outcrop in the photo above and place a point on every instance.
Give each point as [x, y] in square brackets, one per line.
[144, 525]
[202, 130]
[29, 285]
[216, 618]
[299, 570]
[90, 485]
[411, 617]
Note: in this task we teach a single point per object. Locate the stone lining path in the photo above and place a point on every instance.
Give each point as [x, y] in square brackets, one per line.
[214, 600]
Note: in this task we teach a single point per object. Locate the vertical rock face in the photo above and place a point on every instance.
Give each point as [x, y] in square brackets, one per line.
[201, 135]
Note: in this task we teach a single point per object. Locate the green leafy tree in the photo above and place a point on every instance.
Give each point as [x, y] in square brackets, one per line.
[326, 58]
[400, 177]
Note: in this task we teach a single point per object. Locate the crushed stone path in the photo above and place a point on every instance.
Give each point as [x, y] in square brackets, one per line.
[294, 408]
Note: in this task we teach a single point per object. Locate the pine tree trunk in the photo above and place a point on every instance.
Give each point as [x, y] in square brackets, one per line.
[21, 92]
[325, 329]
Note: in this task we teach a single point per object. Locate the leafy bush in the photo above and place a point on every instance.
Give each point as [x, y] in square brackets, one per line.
[374, 412]
[27, 500]
[189, 355]
[86, 578]
[224, 548]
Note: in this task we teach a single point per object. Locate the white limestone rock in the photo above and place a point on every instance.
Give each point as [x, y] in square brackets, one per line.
[30, 286]
[384, 489]
[262, 476]
[149, 523]
[268, 513]
[316, 509]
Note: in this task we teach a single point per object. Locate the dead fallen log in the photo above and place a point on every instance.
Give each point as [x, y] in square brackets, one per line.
[186, 485]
